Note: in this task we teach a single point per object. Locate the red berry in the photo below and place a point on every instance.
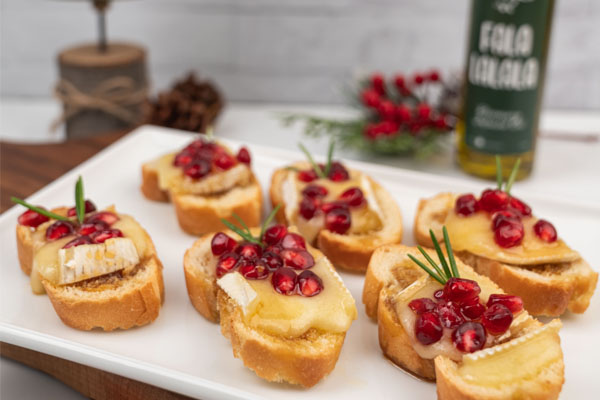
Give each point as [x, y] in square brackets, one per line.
[378, 83]
[297, 258]
[334, 205]
[354, 197]
[387, 110]
[104, 235]
[400, 82]
[424, 110]
[249, 250]
[493, 200]
[497, 319]
[272, 260]
[449, 314]
[460, 290]
[338, 221]
[89, 207]
[32, 219]
[438, 295]
[197, 168]
[293, 241]
[403, 113]
[315, 191]
[227, 262]
[309, 284]
[103, 216]
[388, 128]
[545, 231]
[466, 205]
[274, 234]
[519, 206]
[513, 303]
[221, 243]
[509, 234]
[434, 75]
[372, 131]
[59, 229]
[308, 207]
[89, 228]
[469, 337]
[419, 306]
[243, 156]
[308, 175]
[78, 241]
[183, 158]
[370, 98]
[472, 310]
[277, 249]
[428, 328]
[506, 217]
[338, 172]
[253, 269]
[224, 161]
[284, 280]
[418, 79]
[440, 122]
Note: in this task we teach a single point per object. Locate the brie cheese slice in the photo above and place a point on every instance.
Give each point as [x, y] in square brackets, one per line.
[238, 289]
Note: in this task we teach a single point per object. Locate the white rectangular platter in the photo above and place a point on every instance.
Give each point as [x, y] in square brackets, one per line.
[184, 353]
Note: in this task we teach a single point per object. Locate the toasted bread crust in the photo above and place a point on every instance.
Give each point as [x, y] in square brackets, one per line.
[150, 188]
[201, 286]
[570, 287]
[25, 248]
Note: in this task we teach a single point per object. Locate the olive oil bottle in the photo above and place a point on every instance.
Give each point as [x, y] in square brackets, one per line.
[507, 48]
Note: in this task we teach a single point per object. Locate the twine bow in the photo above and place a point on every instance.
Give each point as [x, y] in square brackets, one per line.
[112, 96]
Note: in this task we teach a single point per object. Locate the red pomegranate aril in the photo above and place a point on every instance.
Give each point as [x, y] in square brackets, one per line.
[308, 207]
[449, 314]
[227, 262]
[469, 337]
[284, 280]
[466, 205]
[334, 205]
[32, 219]
[419, 306]
[509, 234]
[89, 207]
[102, 216]
[197, 169]
[78, 241]
[221, 243]
[545, 231]
[272, 261]
[309, 284]
[89, 228]
[438, 294]
[297, 258]
[183, 158]
[338, 172]
[493, 200]
[519, 206]
[253, 269]
[59, 229]
[277, 249]
[428, 328]
[338, 221]
[354, 197]
[500, 218]
[293, 241]
[473, 310]
[513, 303]
[243, 156]
[497, 319]
[460, 290]
[249, 250]
[103, 235]
[224, 161]
[315, 191]
[308, 175]
[274, 234]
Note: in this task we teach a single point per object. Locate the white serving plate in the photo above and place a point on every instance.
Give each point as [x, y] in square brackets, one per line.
[183, 352]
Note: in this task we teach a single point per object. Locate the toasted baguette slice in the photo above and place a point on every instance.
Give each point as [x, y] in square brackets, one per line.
[351, 251]
[546, 289]
[198, 215]
[303, 360]
[390, 276]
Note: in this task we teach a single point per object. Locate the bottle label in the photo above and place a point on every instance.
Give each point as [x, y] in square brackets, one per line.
[505, 67]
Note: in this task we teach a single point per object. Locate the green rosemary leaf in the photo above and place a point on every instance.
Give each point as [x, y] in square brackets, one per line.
[79, 200]
[242, 223]
[268, 221]
[426, 269]
[316, 167]
[513, 175]
[240, 232]
[498, 172]
[433, 263]
[38, 210]
[292, 168]
[440, 254]
[329, 157]
[450, 254]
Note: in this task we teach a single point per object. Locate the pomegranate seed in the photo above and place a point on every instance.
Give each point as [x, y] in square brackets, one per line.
[378, 83]
[403, 113]
[249, 250]
[102, 216]
[315, 191]
[545, 231]
[243, 156]
[221, 243]
[497, 319]
[284, 280]
[309, 284]
[419, 306]
[293, 241]
[253, 269]
[274, 234]
[227, 262]
[428, 328]
[104, 235]
[354, 197]
[509, 234]
[277, 249]
[32, 219]
[308, 207]
[271, 260]
[183, 158]
[519, 206]
[334, 205]
[472, 310]
[500, 218]
[59, 229]
[399, 81]
[208, 152]
[449, 314]
[196, 145]
[438, 295]
[338, 172]
[338, 221]
[370, 98]
[308, 175]
[224, 161]
[297, 258]
[461, 290]
[469, 337]
[197, 168]
[493, 200]
[423, 111]
[89, 207]
[466, 205]
[78, 241]
[89, 228]
[513, 303]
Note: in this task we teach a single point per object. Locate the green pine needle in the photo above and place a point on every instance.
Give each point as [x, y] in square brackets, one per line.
[38, 210]
[242, 223]
[329, 157]
[440, 254]
[498, 172]
[244, 235]
[268, 221]
[450, 253]
[426, 269]
[79, 200]
[441, 273]
[513, 176]
[315, 166]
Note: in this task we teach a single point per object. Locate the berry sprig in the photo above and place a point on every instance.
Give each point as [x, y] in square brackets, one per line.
[448, 269]
[245, 232]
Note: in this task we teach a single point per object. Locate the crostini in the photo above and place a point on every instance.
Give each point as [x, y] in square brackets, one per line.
[342, 212]
[454, 326]
[206, 183]
[279, 301]
[99, 268]
[498, 235]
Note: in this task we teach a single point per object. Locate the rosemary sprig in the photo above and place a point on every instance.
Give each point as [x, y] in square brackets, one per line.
[38, 210]
[440, 274]
[245, 232]
[513, 176]
[315, 166]
[268, 220]
[79, 200]
[329, 157]
[498, 172]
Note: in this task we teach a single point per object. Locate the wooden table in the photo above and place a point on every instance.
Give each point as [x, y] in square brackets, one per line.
[24, 169]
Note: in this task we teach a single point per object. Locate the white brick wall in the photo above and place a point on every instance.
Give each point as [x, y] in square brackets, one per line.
[286, 50]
